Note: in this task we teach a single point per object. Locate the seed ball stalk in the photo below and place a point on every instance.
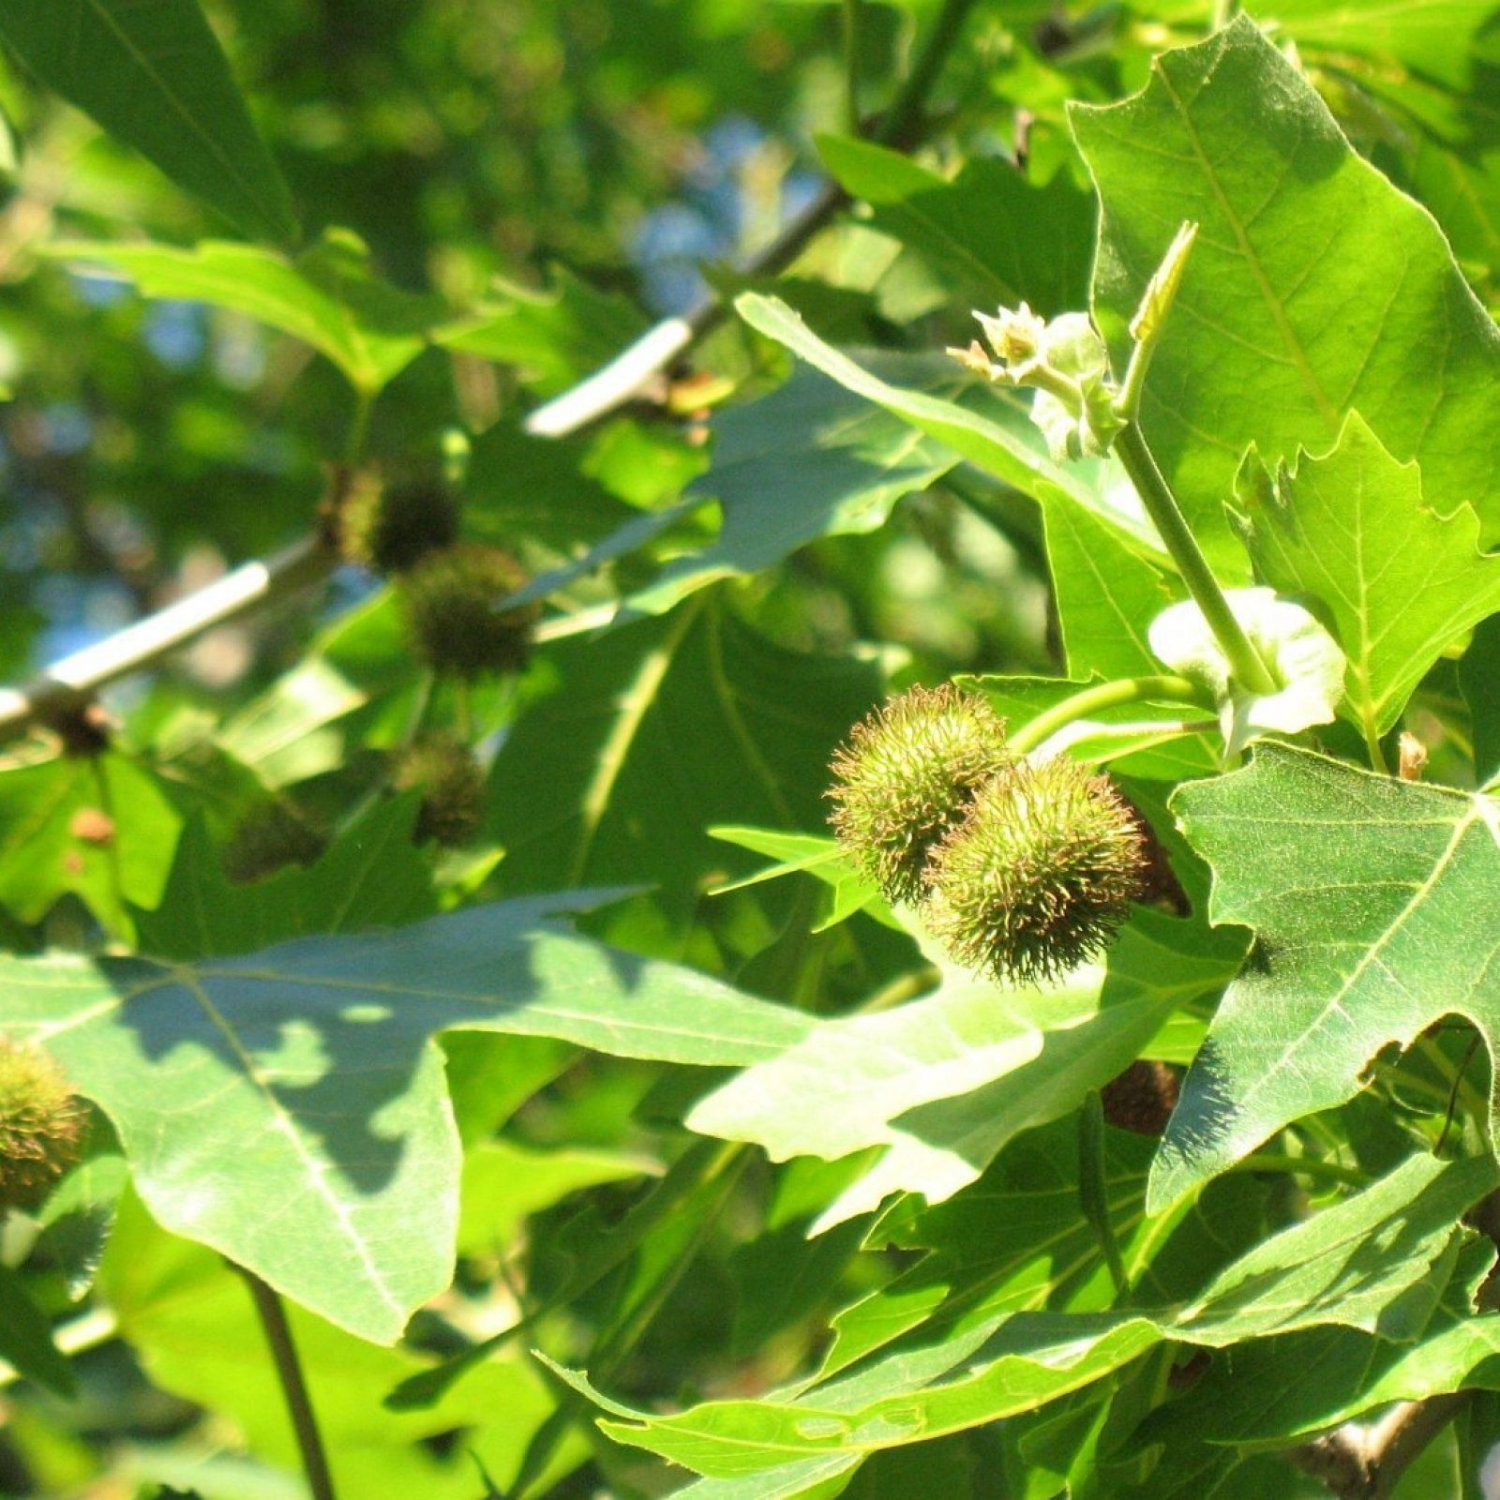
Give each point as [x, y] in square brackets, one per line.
[905, 778]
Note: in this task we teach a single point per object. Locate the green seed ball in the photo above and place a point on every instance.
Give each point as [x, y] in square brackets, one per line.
[452, 785]
[905, 779]
[1040, 875]
[392, 527]
[42, 1125]
[450, 600]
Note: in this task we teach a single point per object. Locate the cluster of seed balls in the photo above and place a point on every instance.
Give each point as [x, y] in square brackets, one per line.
[408, 530]
[1021, 869]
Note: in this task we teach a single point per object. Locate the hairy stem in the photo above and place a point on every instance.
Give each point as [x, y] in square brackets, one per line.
[1091, 700]
[1166, 515]
[293, 1385]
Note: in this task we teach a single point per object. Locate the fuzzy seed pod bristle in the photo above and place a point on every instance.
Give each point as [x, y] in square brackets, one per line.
[1040, 874]
[42, 1125]
[451, 782]
[905, 778]
[450, 599]
[392, 527]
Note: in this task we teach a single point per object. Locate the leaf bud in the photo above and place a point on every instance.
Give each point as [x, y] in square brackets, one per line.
[452, 785]
[1040, 874]
[392, 527]
[42, 1125]
[906, 777]
[451, 601]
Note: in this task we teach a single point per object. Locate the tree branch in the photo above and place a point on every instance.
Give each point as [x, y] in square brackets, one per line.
[1366, 1461]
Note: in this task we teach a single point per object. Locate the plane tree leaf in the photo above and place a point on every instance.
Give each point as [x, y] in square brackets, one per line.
[991, 229]
[155, 77]
[944, 1083]
[1362, 939]
[327, 297]
[1350, 528]
[1314, 287]
[311, 1066]
[657, 732]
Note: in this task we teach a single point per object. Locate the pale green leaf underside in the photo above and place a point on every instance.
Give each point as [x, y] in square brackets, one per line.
[288, 1108]
[154, 76]
[945, 1082]
[1314, 288]
[1350, 528]
[1373, 904]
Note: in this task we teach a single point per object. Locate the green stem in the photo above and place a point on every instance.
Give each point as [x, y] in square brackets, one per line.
[853, 17]
[906, 113]
[359, 426]
[1166, 515]
[1101, 696]
[293, 1385]
[1093, 1190]
[1378, 761]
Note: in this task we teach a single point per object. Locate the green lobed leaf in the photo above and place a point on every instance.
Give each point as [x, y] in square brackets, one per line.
[1106, 594]
[371, 876]
[1000, 438]
[656, 732]
[999, 1368]
[327, 297]
[311, 1067]
[1314, 288]
[155, 77]
[102, 827]
[1369, 898]
[1350, 528]
[991, 230]
[1288, 1386]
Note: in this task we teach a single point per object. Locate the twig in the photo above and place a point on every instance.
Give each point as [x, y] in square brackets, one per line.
[1366, 1462]
[293, 1385]
[67, 686]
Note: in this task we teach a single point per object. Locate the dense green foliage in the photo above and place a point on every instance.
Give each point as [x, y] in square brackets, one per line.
[427, 960]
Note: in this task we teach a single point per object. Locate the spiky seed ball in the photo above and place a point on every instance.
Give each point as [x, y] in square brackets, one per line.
[41, 1125]
[1039, 875]
[392, 527]
[451, 782]
[450, 601]
[906, 777]
[270, 837]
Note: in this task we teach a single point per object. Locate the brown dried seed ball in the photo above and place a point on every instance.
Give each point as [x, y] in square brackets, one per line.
[1040, 875]
[905, 778]
[1142, 1098]
[392, 527]
[451, 782]
[41, 1125]
[451, 599]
